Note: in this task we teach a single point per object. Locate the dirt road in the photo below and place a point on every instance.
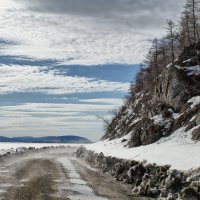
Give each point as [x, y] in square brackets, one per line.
[56, 175]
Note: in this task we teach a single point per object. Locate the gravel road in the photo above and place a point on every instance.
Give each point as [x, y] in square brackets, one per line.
[56, 175]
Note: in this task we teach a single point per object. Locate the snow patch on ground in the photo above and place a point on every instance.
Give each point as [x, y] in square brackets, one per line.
[177, 150]
[13, 147]
[195, 101]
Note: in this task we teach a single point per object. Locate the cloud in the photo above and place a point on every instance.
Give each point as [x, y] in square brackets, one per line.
[85, 32]
[10, 4]
[53, 107]
[135, 12]
[53, 119]
[23, 79]
[103, 101]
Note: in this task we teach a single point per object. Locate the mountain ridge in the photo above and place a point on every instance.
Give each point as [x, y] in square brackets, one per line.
[47, 139]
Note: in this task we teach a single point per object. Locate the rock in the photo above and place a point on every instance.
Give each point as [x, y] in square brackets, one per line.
[153, 193]
[195, 185]
[166, 113]
[136, 173]
[172, 196]
[151, 134]
[190, 125]
[80, 152]
[190, 193]
[174, 179]
[196, 134]
[163, 193]
[124, 140]
[175, 88]
[148, 180]
[143, 188]
[136, 191]
[198, 117]
[135, 140]
[119, 168]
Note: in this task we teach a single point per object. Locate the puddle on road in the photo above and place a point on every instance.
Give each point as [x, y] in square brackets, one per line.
[75, 185]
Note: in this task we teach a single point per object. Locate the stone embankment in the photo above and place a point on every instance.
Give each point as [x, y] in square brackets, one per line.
[147, 180]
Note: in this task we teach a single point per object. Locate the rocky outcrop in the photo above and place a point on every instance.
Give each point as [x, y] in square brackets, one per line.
[148, 116]
[149, 180]
[173, 88]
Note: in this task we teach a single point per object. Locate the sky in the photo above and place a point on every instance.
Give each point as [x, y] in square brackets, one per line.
[63, 62]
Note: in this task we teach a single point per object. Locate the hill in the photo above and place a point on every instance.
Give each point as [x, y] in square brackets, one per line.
[48, 139]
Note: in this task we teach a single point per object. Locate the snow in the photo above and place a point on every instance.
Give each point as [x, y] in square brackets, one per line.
[75, 183]
[12, 147]
[174, 115]
[195, 101]
[159, 120]
[168, 66]
[177, 150]
[186, 61]
[4, 151]
[193, 70]
[135, 121]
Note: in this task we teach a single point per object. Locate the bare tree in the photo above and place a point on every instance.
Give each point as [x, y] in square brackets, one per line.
[155, 46]
[108, 124]
[172, 38]
[192, 8]
[185, 29]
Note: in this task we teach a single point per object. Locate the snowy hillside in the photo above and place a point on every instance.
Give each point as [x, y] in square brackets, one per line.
[177, 150]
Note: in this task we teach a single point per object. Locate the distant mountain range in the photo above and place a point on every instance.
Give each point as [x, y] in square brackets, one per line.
[48, 139]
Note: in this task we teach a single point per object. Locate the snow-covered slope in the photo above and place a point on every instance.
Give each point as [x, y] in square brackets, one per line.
[177, 150]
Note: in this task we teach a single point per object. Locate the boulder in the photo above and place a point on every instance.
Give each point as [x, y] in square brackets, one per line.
[135, 140]
[119, 168]
[151, 134]
[174, 180]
